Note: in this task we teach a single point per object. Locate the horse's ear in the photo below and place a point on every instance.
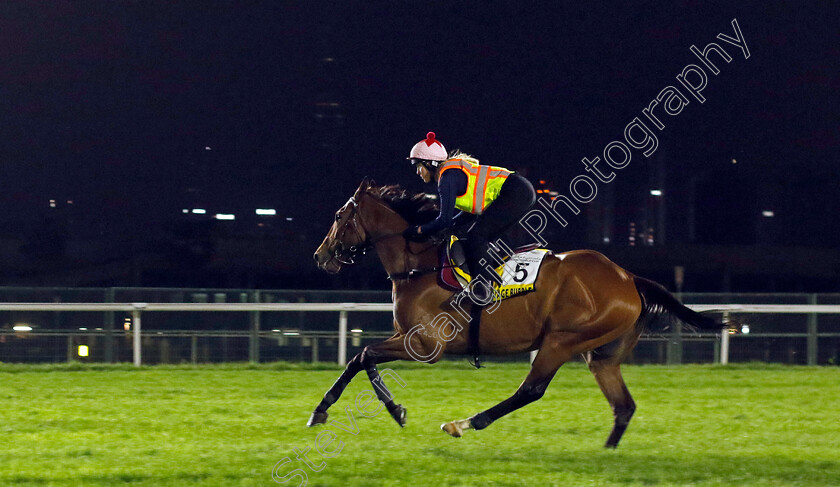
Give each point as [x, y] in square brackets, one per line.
[364, 185]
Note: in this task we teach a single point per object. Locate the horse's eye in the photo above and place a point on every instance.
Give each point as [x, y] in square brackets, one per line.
[337, 217]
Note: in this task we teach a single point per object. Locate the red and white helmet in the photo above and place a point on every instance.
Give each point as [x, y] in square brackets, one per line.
[429, 149]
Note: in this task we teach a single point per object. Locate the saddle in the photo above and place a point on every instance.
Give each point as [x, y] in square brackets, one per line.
[518, 270]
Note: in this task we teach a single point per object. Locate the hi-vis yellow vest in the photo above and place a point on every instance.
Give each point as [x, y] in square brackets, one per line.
[483, 184]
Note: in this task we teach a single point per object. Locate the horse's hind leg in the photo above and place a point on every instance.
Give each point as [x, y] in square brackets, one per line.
[604, 363]
[545, 365]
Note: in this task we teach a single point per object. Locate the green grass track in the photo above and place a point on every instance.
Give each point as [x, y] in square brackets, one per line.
[229, 425]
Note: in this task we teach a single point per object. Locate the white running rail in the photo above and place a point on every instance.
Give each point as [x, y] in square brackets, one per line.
[136, 309]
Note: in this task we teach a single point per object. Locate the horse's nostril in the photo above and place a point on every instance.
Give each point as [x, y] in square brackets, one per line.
[315, 256]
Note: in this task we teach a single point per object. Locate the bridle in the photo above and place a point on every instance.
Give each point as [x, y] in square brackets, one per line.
[347, 255]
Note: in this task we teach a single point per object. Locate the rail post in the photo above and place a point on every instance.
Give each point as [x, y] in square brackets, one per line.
[342, 338]
[136, 324]
[675, 345]
[70, 352]
[812, 333]
[194, 348]
[254, 337]
[724, 341]
[109, 328]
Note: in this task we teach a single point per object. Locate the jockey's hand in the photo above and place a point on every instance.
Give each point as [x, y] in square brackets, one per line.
[413, 234]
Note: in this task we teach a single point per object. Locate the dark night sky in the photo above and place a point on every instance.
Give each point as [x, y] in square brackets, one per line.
[111, 104]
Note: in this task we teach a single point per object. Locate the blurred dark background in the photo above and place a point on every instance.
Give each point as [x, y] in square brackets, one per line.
[120, 119]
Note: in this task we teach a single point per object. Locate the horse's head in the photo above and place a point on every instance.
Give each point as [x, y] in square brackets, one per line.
[347, 237]
[371, 215]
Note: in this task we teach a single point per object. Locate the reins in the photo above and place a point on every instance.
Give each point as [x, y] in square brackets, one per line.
[368, 243]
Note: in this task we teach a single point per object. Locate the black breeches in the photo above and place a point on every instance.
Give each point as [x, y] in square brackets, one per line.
[515, 199]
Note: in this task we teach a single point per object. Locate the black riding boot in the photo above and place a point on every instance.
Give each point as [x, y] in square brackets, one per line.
[483, 289]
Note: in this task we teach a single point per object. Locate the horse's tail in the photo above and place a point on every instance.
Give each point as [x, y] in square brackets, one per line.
[658, 303]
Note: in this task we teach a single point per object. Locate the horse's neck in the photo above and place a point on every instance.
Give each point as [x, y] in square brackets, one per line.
[395, 253]
[397, 256]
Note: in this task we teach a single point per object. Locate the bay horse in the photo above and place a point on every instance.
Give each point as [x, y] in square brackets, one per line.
[582, 304]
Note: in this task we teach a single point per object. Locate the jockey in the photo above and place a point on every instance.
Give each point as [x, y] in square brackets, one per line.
[498, 198]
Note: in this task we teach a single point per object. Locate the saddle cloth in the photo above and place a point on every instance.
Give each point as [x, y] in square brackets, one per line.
[518, 272]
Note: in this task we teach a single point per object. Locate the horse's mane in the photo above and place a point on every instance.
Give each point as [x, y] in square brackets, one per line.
[415, 208]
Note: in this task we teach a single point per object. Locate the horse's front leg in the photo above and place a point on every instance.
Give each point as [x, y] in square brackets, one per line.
[319, 415]
[391, 349]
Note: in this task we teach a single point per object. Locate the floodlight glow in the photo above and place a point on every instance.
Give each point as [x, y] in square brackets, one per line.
[83, 328]
[83, 350]
[745, 329]
[22, 328]
[656, 192]
[356, 330]
[199, 211]
[266, 211]
[225, 216]
[291, 333]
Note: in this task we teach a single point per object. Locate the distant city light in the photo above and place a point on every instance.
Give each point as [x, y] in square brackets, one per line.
[52, 203]
[83, 328]
[768, 213]
[745, 329]
[328, 59]
[266, 211]
[185, 210]
[207, 147]
[734, 161]
[291, 333]
[656, 192]
[69, 202]
[199, 211]
[356, 330]
[22, 328]
[225, 216]
[288, 218]
[83, 350]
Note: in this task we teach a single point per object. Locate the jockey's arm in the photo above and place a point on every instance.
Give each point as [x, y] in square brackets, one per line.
[450, 186]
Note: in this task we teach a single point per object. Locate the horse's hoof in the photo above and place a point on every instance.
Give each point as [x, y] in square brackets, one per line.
[318, 417]
[398, 413]
[452, 429]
